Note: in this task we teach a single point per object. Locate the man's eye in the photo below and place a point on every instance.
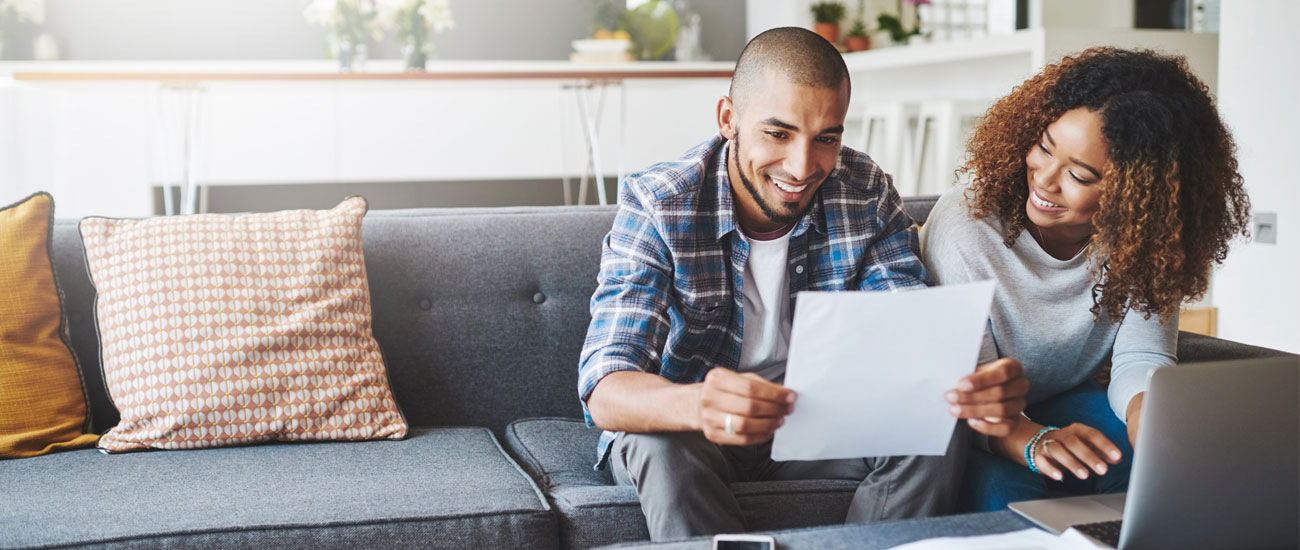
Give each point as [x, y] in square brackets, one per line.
[776, 134]
[829, 140]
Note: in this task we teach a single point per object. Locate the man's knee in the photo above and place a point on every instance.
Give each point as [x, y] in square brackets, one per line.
[677, 452]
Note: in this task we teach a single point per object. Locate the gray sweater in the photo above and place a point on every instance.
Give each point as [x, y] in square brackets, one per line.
[1040, 312]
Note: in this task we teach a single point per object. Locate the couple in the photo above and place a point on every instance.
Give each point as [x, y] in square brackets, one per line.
[1103, 190]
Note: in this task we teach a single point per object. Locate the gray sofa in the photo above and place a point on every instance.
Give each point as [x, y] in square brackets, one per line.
[481, 314]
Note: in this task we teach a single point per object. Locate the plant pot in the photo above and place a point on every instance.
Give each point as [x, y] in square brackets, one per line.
[857, 43]
[829, 31]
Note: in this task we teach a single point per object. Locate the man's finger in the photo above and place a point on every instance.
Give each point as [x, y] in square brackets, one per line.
[739, 405]
[749, 385]
[991, 374]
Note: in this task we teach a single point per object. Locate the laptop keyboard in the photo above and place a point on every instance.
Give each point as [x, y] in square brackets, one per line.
[1107, 532]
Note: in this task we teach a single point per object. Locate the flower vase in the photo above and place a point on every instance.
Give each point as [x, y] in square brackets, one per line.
[416, 55]
[351, 55]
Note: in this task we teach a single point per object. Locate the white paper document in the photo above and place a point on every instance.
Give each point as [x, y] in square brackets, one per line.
[871, 370]
[1028, 539]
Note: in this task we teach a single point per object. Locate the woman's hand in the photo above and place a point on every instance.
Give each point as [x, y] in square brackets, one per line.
[991, 399]
[1076, 448]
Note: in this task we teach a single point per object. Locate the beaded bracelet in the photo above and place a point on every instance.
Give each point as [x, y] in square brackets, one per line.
[1031, 450]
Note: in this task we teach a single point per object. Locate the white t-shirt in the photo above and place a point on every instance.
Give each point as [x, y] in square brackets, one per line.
[765, 343]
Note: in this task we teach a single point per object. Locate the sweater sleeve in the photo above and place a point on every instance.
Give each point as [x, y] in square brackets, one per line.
[1141, 346]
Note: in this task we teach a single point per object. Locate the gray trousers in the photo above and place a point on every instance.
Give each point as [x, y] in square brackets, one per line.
[683, 480]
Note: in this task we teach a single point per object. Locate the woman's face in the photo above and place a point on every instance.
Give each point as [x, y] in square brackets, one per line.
[1064, 171]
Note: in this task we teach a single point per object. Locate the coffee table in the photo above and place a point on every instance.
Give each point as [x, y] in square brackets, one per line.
[870, 536]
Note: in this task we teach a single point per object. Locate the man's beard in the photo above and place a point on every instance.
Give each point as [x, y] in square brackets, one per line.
[793, 212]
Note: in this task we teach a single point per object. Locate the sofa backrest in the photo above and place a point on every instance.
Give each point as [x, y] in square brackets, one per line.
[481, 312]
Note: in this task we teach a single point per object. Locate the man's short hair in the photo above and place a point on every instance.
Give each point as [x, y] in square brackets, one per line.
[798, 54]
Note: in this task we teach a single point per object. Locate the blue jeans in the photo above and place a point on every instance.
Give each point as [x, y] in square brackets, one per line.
[992, 482]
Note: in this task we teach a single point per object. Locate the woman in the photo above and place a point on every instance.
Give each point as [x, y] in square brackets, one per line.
[1103, 191]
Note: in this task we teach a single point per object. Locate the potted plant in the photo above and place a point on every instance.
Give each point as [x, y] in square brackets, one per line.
[413, 20]
[857, 39]
[826, 20]
[892, 24]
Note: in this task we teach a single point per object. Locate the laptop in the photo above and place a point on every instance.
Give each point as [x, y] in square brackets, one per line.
[1217, 464]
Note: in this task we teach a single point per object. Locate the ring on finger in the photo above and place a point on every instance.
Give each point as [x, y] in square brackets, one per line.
[728, 425]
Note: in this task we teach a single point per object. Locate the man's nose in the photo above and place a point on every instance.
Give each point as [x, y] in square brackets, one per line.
[799, 161]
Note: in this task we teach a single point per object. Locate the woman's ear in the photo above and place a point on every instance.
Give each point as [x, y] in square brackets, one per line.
[727, 118]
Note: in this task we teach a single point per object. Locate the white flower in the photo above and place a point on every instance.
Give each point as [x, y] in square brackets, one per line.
[320, 12]
[438, 14]
[31, 11]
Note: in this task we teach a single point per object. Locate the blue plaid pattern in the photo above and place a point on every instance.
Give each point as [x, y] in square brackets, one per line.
[669, 298]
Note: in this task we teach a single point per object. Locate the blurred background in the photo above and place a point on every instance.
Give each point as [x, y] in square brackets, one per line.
[155, 107]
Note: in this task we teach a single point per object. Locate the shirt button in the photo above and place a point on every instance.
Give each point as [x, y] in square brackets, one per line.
[426, 305]
[539, 298]
[798, 269]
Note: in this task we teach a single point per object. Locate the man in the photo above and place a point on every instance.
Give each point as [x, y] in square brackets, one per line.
[691, 319]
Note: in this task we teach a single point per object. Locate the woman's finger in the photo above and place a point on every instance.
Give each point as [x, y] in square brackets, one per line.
[1062, 456]
[1105, 448]
[1082, 450]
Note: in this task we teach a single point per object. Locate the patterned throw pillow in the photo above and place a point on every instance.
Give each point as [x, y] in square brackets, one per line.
[42, 403]
[220, 330]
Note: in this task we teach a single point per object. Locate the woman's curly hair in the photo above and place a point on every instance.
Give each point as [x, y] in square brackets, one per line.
[1171, 198]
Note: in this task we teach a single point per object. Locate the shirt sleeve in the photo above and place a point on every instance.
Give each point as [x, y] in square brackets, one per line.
[893, 261]
[629, 311]
[1141, 346]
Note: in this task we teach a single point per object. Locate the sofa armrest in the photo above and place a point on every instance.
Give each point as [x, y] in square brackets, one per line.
[1197, 348]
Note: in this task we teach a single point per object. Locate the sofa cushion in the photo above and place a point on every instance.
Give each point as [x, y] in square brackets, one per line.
[224, 330]
[559, 453]
[440, 488]
[42, 405]
[458, 293]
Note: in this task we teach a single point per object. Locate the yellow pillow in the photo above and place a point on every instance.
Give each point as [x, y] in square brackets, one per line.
[42, 402]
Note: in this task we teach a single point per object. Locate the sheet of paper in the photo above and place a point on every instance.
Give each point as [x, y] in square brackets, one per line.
[1028, 539]
[871, 370]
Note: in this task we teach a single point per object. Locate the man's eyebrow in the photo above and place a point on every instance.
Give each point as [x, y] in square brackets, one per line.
[773, 121]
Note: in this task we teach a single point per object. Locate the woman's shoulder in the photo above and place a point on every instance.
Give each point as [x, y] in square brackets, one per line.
[952, 226]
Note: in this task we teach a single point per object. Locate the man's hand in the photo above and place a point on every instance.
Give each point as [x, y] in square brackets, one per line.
[1132, 416]
[756, 407]
[991, 398]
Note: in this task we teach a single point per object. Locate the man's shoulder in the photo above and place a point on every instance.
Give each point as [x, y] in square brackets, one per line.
[686, 175]
[858, 177]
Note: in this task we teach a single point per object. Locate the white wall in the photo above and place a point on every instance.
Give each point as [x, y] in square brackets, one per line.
[1258, 289]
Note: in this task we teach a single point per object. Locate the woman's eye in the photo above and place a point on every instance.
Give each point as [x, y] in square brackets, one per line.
[1043, 148]
[1077, 178]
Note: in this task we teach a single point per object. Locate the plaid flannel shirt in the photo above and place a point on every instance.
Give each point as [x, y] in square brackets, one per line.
[669, 298]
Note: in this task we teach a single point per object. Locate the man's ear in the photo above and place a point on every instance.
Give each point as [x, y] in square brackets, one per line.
[727, 118]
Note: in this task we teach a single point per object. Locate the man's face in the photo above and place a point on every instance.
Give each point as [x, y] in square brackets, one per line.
[785, 140]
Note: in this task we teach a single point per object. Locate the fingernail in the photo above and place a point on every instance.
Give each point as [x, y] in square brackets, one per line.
[954, 410]
[789, 398]
[1056, 476]
[1115, 455]
[965, 385]
[1083, 474]
[1101, 468]
[952, 397]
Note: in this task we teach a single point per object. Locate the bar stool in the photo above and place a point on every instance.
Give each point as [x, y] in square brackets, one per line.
[887, 138]
[942, 127]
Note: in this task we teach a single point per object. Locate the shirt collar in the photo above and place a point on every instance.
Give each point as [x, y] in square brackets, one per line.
[726, 211]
